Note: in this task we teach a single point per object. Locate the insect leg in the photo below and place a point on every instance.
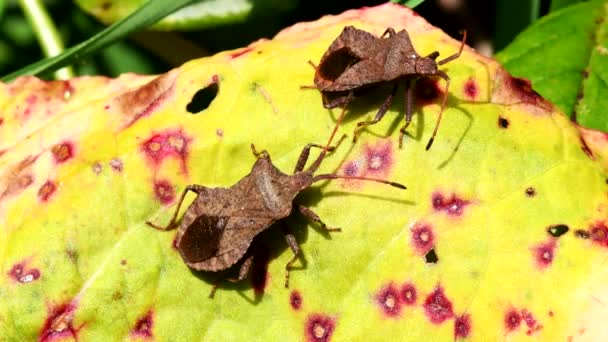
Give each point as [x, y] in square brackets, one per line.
[263, 154]
[312, 64]
[445, 98]
[383, 108]
[433, 55]
[295, 248]
[309, 214]
[192, 187]
[457, 54]
[243, 273]
[306, 152]
[391, 32]
[409, 108]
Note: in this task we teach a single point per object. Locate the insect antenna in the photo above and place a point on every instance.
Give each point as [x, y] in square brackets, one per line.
[378, 180]
[457, 54]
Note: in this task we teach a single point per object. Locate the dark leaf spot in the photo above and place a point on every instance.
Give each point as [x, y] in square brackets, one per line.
[599, 234]
[544, 253]
[462, 326]
[557, 230]
[453, 206]
[581, 233]
[512, 320]
[58, 324]
[471, 89]
[586, 148]
[46, 190]
[295, 299]
[19, 273]
[319, 328]
[388, 301]
[530, 192]
[422, 238]
[203, 98]
[164, 192]
[143, 326]
[437, 307]
[503, 122]
[408, 294]
[62, 152]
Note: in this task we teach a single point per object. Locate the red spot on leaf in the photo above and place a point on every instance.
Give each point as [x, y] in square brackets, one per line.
[453, 206]
[352, 168]
[20, 273]
[46, 191]
[164, 192]
[62, 152]
[378, 158]
[522, 90]
[168, 144]
[437, 307]
[295, 299]
[1, 121]
[512, 320]
[544, 253]
[462, 326]
[471, 89]
[423, 238]
[427, 91]
[599, 234]
[240, 52]
[319, 328]
[143, 326]
[97, 168]
[388, 301]
[58, 324]
[409, 294]
[116, 164]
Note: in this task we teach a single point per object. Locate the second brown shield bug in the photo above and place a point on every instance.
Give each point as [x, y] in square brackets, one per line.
[358, 60]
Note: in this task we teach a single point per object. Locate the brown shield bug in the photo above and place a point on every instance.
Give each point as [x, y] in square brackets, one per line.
[220, 224]
[358, 60]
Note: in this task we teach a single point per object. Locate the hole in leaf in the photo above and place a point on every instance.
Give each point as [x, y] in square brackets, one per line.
[431, 257]
[558, 230]
[203, 98]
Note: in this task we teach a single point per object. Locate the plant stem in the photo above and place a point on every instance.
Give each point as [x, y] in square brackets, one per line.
[46, 32]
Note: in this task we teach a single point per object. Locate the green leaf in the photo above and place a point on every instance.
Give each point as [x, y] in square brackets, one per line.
[565, 56]
[513, 16]
[2, 5]
[409, 3]
[202, 14]
[148, 14]
[559, 4]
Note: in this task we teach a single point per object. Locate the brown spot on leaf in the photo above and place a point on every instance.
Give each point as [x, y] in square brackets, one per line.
[63, 152]
[510, 90]
[503, 122]
[148, 98]
[599, 234]
[116, 164]
[46, 191]
[17, 178]
[530, 192]
[586, 148]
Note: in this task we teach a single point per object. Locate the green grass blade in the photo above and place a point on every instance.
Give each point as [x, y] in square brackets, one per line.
[409, 3]
[148, 14]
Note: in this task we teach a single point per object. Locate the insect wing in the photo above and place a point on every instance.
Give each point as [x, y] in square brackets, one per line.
[200, 241]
